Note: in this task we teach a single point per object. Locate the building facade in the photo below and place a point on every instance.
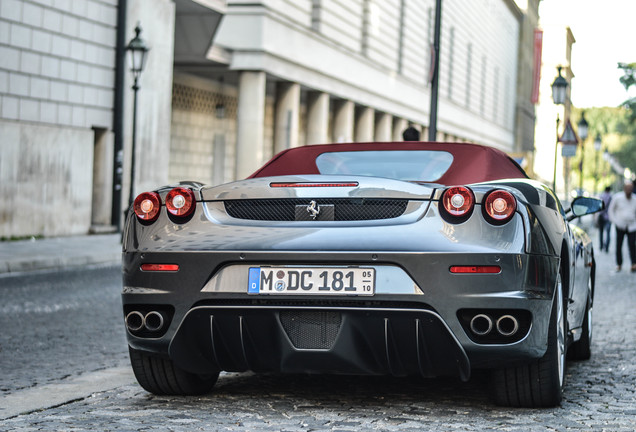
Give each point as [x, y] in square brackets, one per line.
[56, 115]
[228, 84]
[550, 165]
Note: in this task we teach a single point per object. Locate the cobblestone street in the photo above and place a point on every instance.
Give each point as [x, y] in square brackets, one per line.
[600, 394]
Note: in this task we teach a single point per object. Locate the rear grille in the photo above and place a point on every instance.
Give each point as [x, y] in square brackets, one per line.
[311, 329]
[345, 209]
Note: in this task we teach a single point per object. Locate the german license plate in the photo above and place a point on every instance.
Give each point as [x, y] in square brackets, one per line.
[311, 280]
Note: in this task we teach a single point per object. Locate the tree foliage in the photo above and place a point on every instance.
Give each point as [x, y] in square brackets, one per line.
[616, 128]
[617, 133]
[627, 153]
[629, 77]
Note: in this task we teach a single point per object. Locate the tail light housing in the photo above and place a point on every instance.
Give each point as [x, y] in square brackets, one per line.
[146, 206]
[458, 202]
[499, 206]
[180, 202]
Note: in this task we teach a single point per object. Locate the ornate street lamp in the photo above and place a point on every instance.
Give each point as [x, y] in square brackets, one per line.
[559, 88]
[597, 142]
[583, 135]
[137, 51]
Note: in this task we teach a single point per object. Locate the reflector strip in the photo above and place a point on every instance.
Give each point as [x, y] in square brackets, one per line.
[299, 185]
[475, 269]
[160, 267]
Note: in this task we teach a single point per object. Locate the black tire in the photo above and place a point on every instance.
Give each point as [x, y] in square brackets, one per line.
[539, 383]
[582, 349]
[160, 376]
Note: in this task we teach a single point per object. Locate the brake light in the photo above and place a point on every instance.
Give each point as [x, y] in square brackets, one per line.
[458, 201]
[146, 206]
[308, 184]
[499, 206]
[180, 202]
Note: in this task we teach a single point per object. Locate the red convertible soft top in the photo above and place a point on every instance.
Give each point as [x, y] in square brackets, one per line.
[472, 163]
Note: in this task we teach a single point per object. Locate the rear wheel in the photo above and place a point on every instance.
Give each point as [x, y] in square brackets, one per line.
[162, 377]
[539, 383]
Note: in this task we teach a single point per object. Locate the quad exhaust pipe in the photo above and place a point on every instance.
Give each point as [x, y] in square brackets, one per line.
[507, 325]
[482, 325]
[153, 321]
[135, 321]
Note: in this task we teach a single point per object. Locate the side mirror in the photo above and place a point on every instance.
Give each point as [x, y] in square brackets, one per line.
[582, 206]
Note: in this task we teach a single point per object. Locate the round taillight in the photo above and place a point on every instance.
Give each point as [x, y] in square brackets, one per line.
[146, 206]
[180, 202]
[458, 201]
[499, 206]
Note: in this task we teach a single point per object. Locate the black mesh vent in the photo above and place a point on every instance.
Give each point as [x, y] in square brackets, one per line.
[311, 329]
[345, 209]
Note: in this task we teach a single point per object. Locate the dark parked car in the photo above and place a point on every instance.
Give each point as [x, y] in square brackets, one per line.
[404, 258]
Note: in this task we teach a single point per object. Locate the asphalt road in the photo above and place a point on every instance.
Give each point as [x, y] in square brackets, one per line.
[59, 324]
[63, 339]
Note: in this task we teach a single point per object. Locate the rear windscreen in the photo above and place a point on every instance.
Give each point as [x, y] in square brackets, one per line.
[410, 165]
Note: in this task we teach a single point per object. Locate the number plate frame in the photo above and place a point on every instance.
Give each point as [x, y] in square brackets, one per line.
[340, 281]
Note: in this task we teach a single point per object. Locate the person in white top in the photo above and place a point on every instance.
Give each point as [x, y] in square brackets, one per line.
[622, 213]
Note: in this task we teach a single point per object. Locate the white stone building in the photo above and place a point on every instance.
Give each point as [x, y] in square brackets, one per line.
[558, 38]
[229, 83]
[558, 41]
[56, 114]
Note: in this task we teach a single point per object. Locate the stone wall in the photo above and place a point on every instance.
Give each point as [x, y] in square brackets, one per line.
[46, 178]
[56, 95]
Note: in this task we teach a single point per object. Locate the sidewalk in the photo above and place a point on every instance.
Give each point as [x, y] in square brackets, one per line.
[59, 252]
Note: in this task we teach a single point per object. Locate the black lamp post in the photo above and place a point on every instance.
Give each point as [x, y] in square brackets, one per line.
[597, 146]
[434, 77]
[583, 135]
[559, 87]
[137, 50]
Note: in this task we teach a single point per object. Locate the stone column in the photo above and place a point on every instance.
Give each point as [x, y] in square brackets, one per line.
[424, 136]
[399, 124]
[343, 121]
[250, 123]
[441, 136]
[317, 118]
[364, 124]
[383, 127]
[286, 117]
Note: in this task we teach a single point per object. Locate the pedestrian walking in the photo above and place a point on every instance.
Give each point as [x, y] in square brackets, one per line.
[622, 213]
[602, 222]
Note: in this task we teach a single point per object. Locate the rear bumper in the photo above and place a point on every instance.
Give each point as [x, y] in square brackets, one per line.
[365, 341]
[210, 326]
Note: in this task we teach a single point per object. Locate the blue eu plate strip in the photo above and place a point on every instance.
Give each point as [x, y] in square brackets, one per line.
[254, 280]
